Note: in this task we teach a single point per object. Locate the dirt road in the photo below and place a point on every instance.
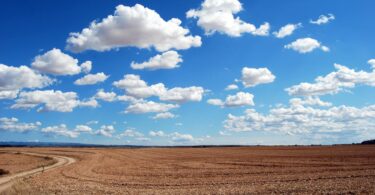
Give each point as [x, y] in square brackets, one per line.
[7, 181]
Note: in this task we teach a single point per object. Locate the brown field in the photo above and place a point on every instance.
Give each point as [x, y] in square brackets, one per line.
[17, 162]
[238, 170]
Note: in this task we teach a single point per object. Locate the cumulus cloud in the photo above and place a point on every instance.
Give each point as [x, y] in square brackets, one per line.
[91, 79]
[311, 101]
[255, 76]
[334, 82]
[106, 130]
[239, 99]
[180, 94]
[50, 100]
[263, 30]
[306, 121]
[86, 67]
[215, 102]
[83, 129]
[60, 130]
[13, 125]
[287, 30]
[323, 19]
[10, 94]
[231, 87]
[131, 133]
[13, 79]
[372, 63]
[112, 96]
[58, 63]
[157, 134]
[149, 106]
[136, 87]
[219, 16]
[166, 60]
[89, 103]
[105, 96]
[178, 137]
[164, 115]
[135, 26]
[306, 45]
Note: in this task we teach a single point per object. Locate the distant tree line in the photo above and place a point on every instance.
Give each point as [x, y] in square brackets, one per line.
[369, 142]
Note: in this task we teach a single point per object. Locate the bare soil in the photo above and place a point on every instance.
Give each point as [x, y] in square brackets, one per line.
[237, 170]
[17, 162]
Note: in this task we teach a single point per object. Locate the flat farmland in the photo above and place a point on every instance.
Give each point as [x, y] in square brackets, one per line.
[216, 170]
[17, 162]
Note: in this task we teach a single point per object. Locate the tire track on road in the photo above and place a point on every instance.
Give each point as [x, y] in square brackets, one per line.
[7, 181]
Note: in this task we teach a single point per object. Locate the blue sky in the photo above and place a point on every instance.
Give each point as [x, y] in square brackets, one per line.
[151, 73]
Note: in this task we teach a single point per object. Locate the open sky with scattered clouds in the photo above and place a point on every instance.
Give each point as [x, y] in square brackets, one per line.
[186, 73]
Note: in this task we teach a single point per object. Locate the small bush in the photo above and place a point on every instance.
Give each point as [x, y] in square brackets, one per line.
[3, 172]
[48, 158]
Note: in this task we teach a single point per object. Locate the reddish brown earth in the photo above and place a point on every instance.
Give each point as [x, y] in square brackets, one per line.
[17, 162]
[239, 170]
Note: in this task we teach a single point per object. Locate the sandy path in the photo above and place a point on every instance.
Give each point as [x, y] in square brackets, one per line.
[7, 181]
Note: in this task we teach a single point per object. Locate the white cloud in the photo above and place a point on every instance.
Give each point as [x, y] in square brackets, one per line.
[131, 133]
[83, 129]
[106, 130]
[89, 103]
[166, 60]
[218, 16]
[224, 133]
[8, 94]
[287, 30]
[157, 134]
[307, 121]
[231, 87]
[106, 96]
[92, 122]
[239, 99]
[127, 98]
[112, 96]
[263, 30]
[91, 79]
[50, 100]
[134, 86]
[60, 130]
[323, 19]
[255, 76]
[311, 101]
[178, 137]
[13, 79]
[164, 115]
[334, 82]
[58, 63]
[306, 45]
[215, 102]
[325, 48]
[135, 26]
[13, 124]
[180, 95]
[86, 67]
[372, 63]
[149, 106]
